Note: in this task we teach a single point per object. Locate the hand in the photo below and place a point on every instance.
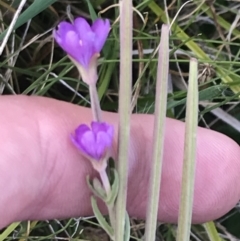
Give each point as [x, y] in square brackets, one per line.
[43, 176]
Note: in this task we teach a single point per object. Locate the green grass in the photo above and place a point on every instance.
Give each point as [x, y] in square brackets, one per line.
[33, 64]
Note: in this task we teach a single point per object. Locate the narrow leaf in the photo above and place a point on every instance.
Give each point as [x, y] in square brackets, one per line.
[102, 221]
[5, 234]
[96, 188]
[34, 9]
[212, 231]
[115, 186]
[91, 11]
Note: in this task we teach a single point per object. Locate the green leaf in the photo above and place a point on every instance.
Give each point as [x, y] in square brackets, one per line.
[212, 231]
[111, 199]
[91, 10]
[102, 221]
[4, 235]
[110, 52]
[35, 8]
[206, 94]
[96, 188]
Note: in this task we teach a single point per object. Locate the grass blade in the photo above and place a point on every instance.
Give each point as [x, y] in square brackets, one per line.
[35, 8]
[8, 231]
[212, 231]
[194, 47]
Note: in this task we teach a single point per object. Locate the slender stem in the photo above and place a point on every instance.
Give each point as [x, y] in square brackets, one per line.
[158, 135]
[188, 173]
[95, 104]
[107, 187]
[125, 92]
[105, 181]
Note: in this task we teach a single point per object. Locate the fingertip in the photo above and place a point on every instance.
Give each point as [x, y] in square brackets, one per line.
[217, 174]
[216, 190]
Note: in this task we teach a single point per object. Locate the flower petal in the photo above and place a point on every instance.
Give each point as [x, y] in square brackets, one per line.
[100, 126]
[76, 143]
[89, 142]
[81, 130]
[61, 36]
[79, 133]
[104, 138]
[74, 49]
[82, 27]
[103, 142]
[86, 39]
[60, 33]
[67, 37]
[101, 28]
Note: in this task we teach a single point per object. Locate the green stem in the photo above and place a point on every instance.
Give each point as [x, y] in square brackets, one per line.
[125, 91]
[158, 135]
[95, 104]
[188, 173]
[107, 187]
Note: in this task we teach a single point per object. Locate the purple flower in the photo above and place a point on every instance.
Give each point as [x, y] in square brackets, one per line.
[95, 142]
[82, 41]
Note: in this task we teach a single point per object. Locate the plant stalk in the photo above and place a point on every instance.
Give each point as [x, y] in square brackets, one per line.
[188, 173]
[107, 187]
[126, 24]
[95, 103]
[158, 135]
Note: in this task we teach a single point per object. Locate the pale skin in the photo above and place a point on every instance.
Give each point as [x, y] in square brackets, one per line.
[43, 175]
